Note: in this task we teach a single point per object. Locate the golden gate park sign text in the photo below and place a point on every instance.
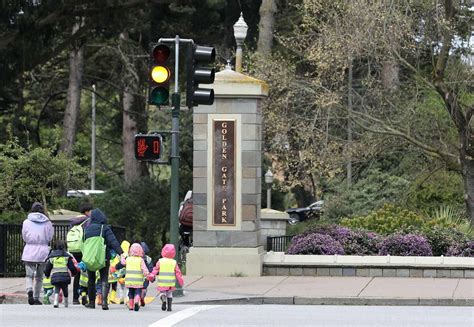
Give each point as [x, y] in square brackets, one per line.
[224, 172]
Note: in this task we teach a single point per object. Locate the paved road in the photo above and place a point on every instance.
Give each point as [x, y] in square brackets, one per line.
[237, 315]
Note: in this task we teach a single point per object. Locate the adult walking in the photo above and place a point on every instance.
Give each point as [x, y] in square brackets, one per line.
[98, 227]
[83, 220]
[37, 232]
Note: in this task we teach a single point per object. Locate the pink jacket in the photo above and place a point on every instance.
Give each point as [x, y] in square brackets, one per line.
[37, 232]
[168, 251]
[136, 251]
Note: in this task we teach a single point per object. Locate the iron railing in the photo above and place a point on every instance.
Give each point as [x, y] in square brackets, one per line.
[11, 246]
[279, 243]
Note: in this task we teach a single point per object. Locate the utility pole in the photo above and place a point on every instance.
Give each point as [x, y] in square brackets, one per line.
[93, 140]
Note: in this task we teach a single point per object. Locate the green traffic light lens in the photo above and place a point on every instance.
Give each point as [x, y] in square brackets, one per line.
[159, 96]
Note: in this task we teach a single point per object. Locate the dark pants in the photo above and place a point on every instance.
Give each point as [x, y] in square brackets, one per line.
[61, 286]
[104, 276]
[75, 284]
[132, 292]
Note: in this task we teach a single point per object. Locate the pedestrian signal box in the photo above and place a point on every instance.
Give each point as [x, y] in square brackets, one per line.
[148, 146]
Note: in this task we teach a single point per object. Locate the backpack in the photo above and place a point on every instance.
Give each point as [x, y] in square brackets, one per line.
[186, 214]
[74, 238]
[93, 252]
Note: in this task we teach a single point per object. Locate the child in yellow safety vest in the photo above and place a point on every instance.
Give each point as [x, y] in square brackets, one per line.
[113, 277]
[58, 266]
[168, 274]
[83, 281]
[48, 290]
[125, 245]
[135, 273]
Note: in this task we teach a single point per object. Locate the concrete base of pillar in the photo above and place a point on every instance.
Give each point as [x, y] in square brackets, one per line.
[207, 261]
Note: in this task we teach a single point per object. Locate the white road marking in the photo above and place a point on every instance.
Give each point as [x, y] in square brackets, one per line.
[181, 315]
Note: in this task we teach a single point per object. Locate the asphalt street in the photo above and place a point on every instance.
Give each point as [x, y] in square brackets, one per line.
[237, 315]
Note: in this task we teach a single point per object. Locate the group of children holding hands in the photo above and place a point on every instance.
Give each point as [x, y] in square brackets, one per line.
[132, 270]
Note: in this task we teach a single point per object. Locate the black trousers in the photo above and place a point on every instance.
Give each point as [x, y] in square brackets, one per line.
[75, 284]
[104, 278]
[61, 286]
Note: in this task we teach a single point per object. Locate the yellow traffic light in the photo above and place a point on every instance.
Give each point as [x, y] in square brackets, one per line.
[160, 74]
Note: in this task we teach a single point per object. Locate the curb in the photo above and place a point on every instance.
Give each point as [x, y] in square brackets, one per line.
[340, 301]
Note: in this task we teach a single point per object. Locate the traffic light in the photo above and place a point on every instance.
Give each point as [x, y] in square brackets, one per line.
[160, 74]
[196, 74]
[148, 146]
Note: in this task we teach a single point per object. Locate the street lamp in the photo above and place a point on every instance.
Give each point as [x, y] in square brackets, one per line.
[240, 33]
[269, 182]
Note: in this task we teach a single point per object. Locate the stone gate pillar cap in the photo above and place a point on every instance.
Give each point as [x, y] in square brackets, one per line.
[231, 84]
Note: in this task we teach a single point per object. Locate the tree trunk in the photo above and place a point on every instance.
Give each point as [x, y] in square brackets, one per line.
[467, 169]
[133, 121]
[268, 8]
[76, 63]
[390, 75]
[131, 166]
[349, 124]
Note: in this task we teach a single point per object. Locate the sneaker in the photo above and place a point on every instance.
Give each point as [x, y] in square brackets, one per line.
[142, 302]
[105, 306]
[136, 306]
[37, 302]
[84, 299]
[90, 305]
[31, 301]
[75, 301]
[163, 302]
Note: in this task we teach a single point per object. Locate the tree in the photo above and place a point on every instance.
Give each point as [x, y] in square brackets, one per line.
[28, 175]
[268, 9]
[76, 62]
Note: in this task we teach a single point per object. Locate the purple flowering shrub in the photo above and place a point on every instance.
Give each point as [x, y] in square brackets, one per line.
[461, 249]
[405, 245]
[358, 242]
[315, 243]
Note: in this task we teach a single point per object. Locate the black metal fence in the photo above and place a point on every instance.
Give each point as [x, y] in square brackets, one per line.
[278, 243]
[11, 246]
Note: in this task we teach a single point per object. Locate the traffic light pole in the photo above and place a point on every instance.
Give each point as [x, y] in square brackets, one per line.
[174, 220]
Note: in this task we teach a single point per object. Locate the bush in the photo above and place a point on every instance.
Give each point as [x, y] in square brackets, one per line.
[405, 245]
[359, 242]
[442, 238]
[386, 220]
[462, 249]
[315, 243]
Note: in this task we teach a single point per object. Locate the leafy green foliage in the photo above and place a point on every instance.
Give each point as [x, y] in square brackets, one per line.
[390, 219]
[35, 174]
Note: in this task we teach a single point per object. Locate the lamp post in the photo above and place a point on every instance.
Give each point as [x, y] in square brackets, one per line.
[269, 182]
[240, 33]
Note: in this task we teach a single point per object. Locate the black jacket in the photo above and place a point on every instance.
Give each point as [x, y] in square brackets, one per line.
[97, 221]
[60, 277]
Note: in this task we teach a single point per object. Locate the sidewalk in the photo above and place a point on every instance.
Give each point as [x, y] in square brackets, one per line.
[304, 290]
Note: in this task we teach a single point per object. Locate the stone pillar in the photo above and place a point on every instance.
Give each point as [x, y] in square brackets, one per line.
[227, 177]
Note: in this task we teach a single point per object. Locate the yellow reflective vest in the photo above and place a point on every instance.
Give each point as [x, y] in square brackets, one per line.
[133, 272]
[59, 265]
[114, 277]
[83, 279]
[47, 283]
[167, 276]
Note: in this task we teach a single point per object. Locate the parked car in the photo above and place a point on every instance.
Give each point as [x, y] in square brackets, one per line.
[313, 211]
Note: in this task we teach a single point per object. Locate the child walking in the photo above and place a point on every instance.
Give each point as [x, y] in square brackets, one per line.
[48, 290]
[57, 266]
[168, 273]
[135, 273]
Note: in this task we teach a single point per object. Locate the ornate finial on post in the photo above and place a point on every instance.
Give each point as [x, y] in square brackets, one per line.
[240, 33]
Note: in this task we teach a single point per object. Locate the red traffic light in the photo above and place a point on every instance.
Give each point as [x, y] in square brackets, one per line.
[161, 53]
[148, 147]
